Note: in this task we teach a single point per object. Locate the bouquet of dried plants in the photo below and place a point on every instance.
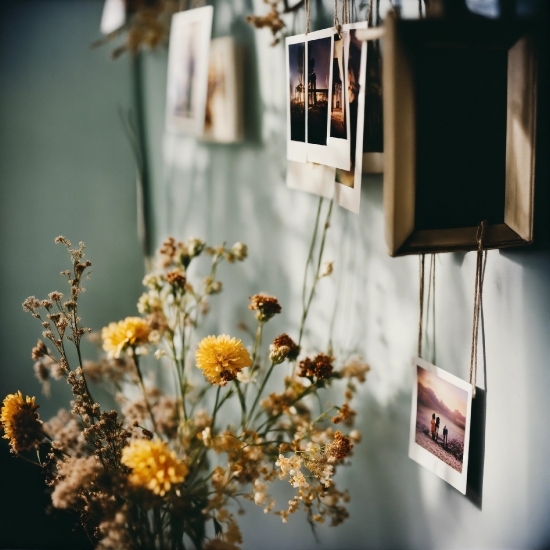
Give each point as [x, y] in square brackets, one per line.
[169, 468]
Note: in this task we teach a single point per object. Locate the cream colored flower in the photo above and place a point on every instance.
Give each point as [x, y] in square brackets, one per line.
[153, 465]
[132, 331]
[221, 358]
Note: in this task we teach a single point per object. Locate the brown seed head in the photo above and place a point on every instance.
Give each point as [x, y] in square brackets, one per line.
[265, 305]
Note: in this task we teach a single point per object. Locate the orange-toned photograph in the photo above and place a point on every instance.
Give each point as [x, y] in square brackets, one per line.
[441, 418]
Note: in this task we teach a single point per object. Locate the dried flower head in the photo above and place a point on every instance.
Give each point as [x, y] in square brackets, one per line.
[221, 358]
[132, 331]
[320, 367]
[153, 465]
[176, 278]
[283, 347]
[266, 306]
[22, 425]
[40, 350]
[75, 475]
[272, 20]
[340, 447]
[239, 251]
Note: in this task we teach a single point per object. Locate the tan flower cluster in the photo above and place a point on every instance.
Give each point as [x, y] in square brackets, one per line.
[75, 476]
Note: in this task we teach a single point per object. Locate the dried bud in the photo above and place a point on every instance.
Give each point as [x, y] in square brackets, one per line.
[265, 305]
[239, 251]
[40, 350]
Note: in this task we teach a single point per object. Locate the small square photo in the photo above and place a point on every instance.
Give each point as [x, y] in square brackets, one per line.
[440, 423]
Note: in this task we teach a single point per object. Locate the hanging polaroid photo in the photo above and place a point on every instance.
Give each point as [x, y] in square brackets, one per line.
[348, 188]
[296, 98]
[311, 178]
[224, 121]
[318, 72]
[440, 423]
[188, 62]
[337, 154]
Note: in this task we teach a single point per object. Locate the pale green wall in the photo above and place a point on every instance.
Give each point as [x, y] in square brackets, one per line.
[65, 168]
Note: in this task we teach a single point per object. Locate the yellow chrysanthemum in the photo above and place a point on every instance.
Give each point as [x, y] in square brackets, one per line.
[153, 465]
[132, 331]
[221, 358]
[21, 422]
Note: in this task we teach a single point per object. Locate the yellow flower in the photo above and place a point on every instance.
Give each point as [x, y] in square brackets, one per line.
[21, 422]
[132, 331]
[153, 465]
[221, 358]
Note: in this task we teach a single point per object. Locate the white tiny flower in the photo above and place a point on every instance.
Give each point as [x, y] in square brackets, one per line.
[206, 436]
[159, 353]
[299, 480]
[240, 251]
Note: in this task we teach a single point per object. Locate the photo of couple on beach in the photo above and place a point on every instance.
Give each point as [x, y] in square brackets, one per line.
[440, 423]
[441, 418]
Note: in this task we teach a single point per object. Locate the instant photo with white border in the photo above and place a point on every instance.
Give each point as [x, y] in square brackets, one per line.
[350, 197]
[338, 148]
[311, 178]
[188, 62]
[297, 98]
[450, 396]
[319, 153]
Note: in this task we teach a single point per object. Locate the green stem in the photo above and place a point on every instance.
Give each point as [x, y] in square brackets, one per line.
[316, 278]
[261, 390]
[140, 377]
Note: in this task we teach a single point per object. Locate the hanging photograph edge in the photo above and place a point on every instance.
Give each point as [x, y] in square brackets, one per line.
[350, 197]
[295, 149]
[195, 80]
[418, 452]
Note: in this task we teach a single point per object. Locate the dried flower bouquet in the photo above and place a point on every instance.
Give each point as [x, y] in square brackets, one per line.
[167, 469]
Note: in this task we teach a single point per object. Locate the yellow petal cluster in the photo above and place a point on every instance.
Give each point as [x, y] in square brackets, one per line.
[132, 331]
[153, 465]
[221, 358]
[21, 422]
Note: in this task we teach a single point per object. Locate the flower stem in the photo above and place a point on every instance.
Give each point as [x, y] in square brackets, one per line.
[307, 303]
[261, 390]
[140, 377]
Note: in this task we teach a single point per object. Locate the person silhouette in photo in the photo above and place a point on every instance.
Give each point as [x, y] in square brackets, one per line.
[437, 429]
[445, 434]
[432, 426]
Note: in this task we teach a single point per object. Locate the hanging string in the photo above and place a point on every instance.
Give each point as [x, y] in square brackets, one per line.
[337, 24]
[307, 16]
[421, 296]
[430, 301]
[478, 295]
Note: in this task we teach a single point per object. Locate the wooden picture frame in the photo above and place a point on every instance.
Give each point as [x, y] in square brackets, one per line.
[459, 134]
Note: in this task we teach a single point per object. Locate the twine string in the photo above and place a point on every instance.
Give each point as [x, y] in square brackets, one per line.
[478, 298]
[307, 16]
[429, 301]
[337, 24]
[421, 296]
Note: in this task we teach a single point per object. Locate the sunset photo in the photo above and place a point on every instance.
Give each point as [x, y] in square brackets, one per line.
[441, 418]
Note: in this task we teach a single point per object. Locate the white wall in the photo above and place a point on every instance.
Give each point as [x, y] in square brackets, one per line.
[238, 193]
